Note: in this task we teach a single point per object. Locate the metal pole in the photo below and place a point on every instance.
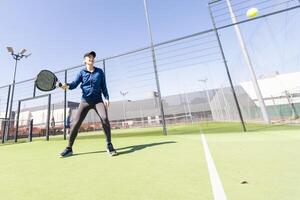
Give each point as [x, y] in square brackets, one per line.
[227, 70]
[155, 70]
[30, 130]
[249, 64]
[123, 103]
[12, 93]
[104, 63]
[34, 89]
[6, 112]
[17, 125]
[48, 117]
[124, 111]
[65, 105]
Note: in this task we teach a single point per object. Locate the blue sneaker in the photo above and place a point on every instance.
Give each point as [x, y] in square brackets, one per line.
[111, 150]
[67, 152]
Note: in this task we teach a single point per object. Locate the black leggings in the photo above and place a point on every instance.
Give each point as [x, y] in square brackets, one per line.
[83, 110]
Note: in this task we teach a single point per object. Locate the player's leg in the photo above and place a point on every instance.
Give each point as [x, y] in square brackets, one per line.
[102, 113]
[80, 115]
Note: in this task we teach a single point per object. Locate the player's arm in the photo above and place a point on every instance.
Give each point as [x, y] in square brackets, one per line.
[104, 90]
[73, 84]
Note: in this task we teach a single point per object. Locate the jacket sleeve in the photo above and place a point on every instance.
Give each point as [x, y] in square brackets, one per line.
[76, 82]
[103, 87]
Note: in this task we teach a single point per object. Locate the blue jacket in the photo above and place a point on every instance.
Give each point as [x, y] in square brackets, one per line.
[92, 85]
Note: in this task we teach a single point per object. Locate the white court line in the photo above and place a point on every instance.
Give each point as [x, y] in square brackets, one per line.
[217, 187]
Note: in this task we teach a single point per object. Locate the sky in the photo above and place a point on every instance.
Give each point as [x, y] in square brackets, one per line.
[59, 32]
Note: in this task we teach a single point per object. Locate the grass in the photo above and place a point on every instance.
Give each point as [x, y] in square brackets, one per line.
[154, 166]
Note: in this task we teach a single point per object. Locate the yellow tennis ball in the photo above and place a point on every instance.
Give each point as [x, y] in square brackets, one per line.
[252, 12]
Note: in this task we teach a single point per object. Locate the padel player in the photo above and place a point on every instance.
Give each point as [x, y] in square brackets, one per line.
[93, 85]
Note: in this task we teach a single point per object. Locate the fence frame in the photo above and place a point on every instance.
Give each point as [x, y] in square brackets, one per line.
[48, 114]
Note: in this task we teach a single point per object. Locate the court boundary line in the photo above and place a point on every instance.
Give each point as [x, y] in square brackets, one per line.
[215, 181]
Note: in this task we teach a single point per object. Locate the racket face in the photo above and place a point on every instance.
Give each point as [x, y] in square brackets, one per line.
[46, 80]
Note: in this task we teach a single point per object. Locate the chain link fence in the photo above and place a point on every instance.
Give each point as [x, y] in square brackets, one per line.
[194, 83]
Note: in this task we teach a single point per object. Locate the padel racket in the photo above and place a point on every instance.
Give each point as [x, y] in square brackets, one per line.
[47, 81]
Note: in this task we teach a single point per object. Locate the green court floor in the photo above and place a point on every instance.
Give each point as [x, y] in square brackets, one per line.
[154, 166]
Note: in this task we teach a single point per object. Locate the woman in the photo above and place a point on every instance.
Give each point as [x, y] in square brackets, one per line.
[93, 84]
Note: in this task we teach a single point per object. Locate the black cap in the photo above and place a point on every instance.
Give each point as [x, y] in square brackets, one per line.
[90, 53]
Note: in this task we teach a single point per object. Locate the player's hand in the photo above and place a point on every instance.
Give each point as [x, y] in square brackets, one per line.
[64, 86]
[106, 103]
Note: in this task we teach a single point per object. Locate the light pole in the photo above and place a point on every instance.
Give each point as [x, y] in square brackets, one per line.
[124, 111]
[155, 71]
[249, 64]
[16, 57]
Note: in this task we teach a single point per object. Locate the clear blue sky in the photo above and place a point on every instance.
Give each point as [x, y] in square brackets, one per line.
[59, 32]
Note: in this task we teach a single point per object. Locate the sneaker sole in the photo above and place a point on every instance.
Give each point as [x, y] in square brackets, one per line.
[67, 155]
[112, 153]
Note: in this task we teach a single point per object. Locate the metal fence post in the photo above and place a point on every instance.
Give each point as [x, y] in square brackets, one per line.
[34, 89]
[30, 130]
[4, 135]
[48, 117]
[155, 71]
[227, 69]
[65, 105]
[17, 125]
[103, 63]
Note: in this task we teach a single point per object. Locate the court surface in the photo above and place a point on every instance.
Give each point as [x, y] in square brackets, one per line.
[154, 166]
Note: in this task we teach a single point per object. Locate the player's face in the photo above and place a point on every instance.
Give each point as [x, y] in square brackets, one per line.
[89, 60]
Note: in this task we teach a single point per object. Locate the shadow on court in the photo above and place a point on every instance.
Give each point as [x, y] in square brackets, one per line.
[129, 149]
[85, 153]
